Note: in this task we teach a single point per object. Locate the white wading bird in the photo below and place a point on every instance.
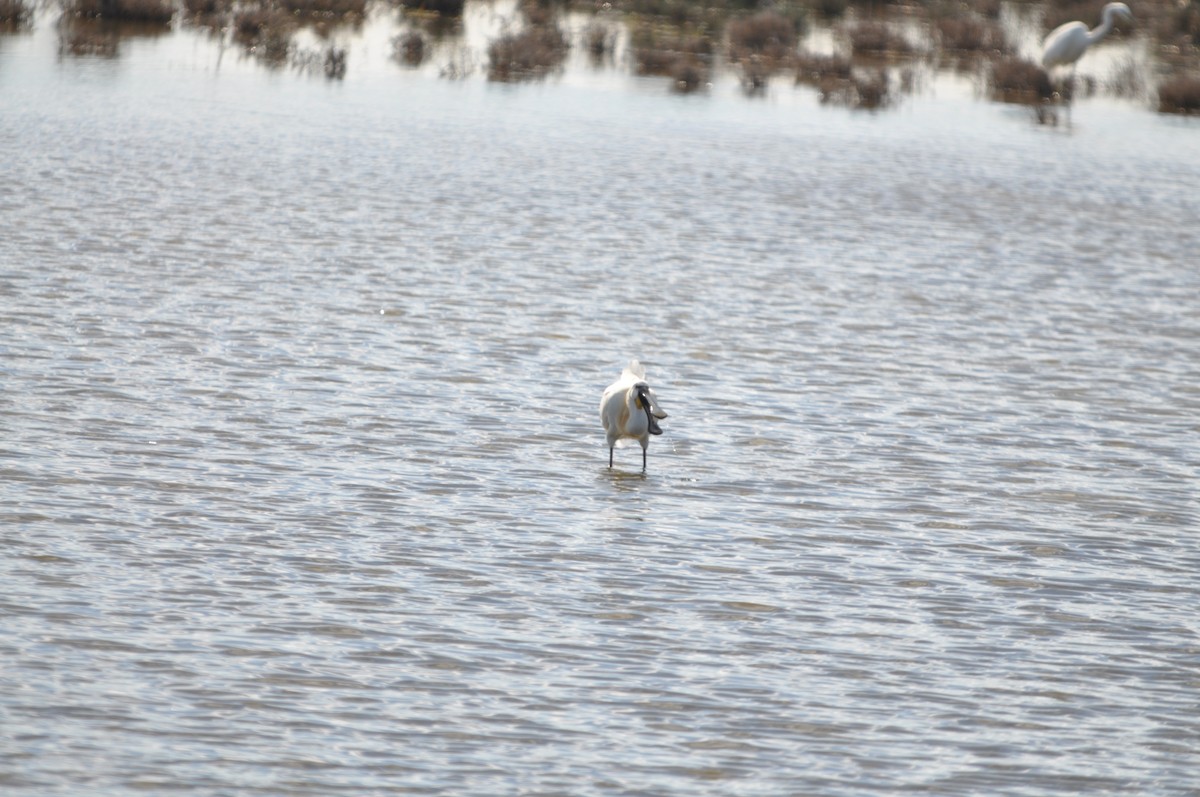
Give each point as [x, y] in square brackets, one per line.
[1067, 43]
[628, 410]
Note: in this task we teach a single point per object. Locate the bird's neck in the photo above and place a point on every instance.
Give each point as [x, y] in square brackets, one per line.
[1100, 31]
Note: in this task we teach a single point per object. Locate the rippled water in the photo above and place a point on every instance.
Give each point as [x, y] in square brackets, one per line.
[304, 490]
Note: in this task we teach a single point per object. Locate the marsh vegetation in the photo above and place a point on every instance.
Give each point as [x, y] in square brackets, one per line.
[1180, 94]
[867, 54]
[14, 15]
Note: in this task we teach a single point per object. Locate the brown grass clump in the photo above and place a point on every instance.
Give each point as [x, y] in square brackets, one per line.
[1179, 30]
[688, 74]
[987, 8]
[816, 70]
[872, 90]
[599, 40]
[830, 9]
[971, 35]
[207, 13]
[538, 13]
[868, 90]
[15, 15]
[1187, 22]
[877, 38]
[676, 13]
[1179, 95]
[154, 12]
[215, 16]
[767, 35]
[84, 37]
[409, 48]
[667, 51]
[267, 33]
[528, 55]
[1018, 80]
[655, 61]
[205, 8]
[839, 83]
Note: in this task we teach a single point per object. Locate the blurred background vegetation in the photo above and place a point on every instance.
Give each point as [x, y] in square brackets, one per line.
[872, 51]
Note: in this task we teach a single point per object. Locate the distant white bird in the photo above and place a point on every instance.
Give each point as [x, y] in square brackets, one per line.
[1067, 43]
[629, 409]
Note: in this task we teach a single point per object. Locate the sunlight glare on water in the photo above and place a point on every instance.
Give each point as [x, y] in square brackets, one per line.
[305, 492]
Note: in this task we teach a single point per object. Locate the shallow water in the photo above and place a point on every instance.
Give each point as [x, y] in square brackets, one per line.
[304, 491]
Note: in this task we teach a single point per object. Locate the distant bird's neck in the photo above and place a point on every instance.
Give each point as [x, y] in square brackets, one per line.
[1100, 31]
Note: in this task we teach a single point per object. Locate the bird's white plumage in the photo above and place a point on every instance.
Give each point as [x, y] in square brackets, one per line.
[629, 409]
[1067, 43]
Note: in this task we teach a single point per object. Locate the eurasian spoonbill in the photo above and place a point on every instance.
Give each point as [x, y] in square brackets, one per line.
[629, 409]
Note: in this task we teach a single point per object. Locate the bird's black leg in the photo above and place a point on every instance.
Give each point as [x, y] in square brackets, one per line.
[643, 459]
[610, 457]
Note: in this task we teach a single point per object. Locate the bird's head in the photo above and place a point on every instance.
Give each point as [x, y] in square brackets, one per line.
[1118, 10]
[644, 400]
